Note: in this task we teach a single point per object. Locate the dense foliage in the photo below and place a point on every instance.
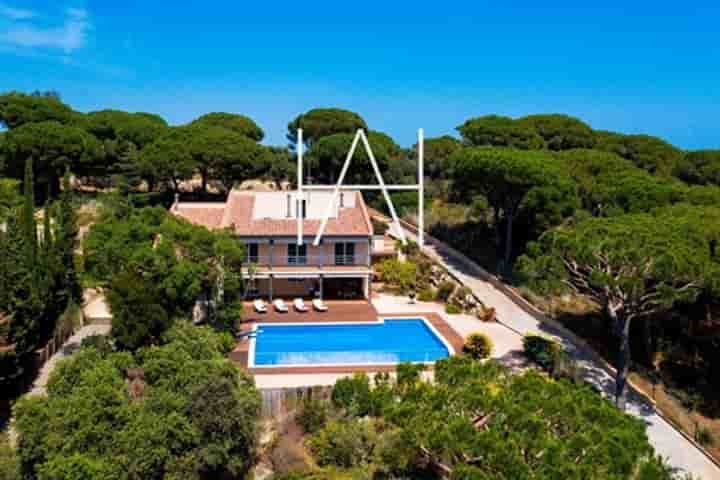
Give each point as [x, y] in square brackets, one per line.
[38, 278]
[327, 155]
[10, 197]
[156, 266]
[633, 266]
[177, 410]
[478, 421]
[323, 122]
[512, 181]
[140, 147]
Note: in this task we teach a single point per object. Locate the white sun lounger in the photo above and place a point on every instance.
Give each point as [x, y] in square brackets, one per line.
[280, 305]
[260, 306]
[319, 305]
[300, 305]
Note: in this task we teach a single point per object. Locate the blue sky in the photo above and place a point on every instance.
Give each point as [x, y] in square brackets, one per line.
[650, 67]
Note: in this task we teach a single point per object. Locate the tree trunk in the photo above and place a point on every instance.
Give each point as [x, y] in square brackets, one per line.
[648, 340]
[150, 181]
[508, 239]
[204, 176]
[623, 363]
[54, 185]
[498, 236]
[496, 223]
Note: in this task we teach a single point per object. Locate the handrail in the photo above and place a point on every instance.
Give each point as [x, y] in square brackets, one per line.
[311, 260]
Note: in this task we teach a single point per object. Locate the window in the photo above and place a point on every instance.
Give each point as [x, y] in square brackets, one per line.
[345, 253]
[302, 208]
[342, 199]
[252, 253]
[288, 213]
[297, 254]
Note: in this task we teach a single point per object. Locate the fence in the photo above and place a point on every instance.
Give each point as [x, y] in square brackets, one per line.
[277, 403]
[71, 318]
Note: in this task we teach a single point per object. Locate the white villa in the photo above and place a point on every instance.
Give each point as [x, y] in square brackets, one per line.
[266, 222]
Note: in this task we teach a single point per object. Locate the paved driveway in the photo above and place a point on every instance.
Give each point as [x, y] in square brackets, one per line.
[668, 442]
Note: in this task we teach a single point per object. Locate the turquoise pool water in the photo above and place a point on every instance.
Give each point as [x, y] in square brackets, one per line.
[391, 341]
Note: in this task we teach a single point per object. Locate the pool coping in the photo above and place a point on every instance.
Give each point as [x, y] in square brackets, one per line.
[444, 331]
[380, 320]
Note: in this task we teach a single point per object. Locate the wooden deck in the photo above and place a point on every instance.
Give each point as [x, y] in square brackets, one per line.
[339, 311]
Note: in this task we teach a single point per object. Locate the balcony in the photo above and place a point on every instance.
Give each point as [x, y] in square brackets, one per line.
[309, 260]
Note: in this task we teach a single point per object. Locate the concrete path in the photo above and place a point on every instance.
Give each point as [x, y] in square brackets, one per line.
[506, 343]
[95, 307]
[668, 442]
[69, 347]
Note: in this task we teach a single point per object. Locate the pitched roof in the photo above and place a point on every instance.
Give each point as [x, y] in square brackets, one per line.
[207, 214]
[237, 212]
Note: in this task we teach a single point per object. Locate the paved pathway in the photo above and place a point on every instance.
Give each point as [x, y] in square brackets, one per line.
[667, 441]
[69, 347]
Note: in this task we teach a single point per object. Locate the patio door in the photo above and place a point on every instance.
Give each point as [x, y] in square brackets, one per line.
[252, 253]
[345, 253]
[297, 254]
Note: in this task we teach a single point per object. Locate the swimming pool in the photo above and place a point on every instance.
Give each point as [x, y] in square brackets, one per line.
[388, 341]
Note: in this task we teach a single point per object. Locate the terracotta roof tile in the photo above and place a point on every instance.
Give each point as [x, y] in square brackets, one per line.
[209, 215]
[238, 212]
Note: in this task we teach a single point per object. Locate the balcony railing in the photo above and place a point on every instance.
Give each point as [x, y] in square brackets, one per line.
[310, 260]
[345, 259]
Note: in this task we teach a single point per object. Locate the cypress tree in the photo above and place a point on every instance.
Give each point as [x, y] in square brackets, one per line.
[29, 228]
[66, 242]
[47, 231]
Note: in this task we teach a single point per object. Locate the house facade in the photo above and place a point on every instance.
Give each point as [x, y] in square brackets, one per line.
[266, 222]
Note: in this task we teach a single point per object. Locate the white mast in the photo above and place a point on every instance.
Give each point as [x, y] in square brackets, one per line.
[298, 201]
[421, 187]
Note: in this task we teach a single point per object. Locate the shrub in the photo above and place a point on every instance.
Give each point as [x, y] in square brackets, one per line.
[478, 346]
[488, 314]
[445, 290]
[379, 228]
[411, 249]
[401, 275]
[288, 455]
[99, 342]
[9, 461]
[353, 394]
[409, 373]
[345, 443]
[704, 437]
[139, 318]
[312, 415]
[452, 309]
[543, 351]
[427, 295]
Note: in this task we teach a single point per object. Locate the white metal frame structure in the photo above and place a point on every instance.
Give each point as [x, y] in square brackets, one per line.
[360, 135]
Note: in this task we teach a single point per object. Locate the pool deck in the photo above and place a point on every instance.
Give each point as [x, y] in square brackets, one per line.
[338, 311]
